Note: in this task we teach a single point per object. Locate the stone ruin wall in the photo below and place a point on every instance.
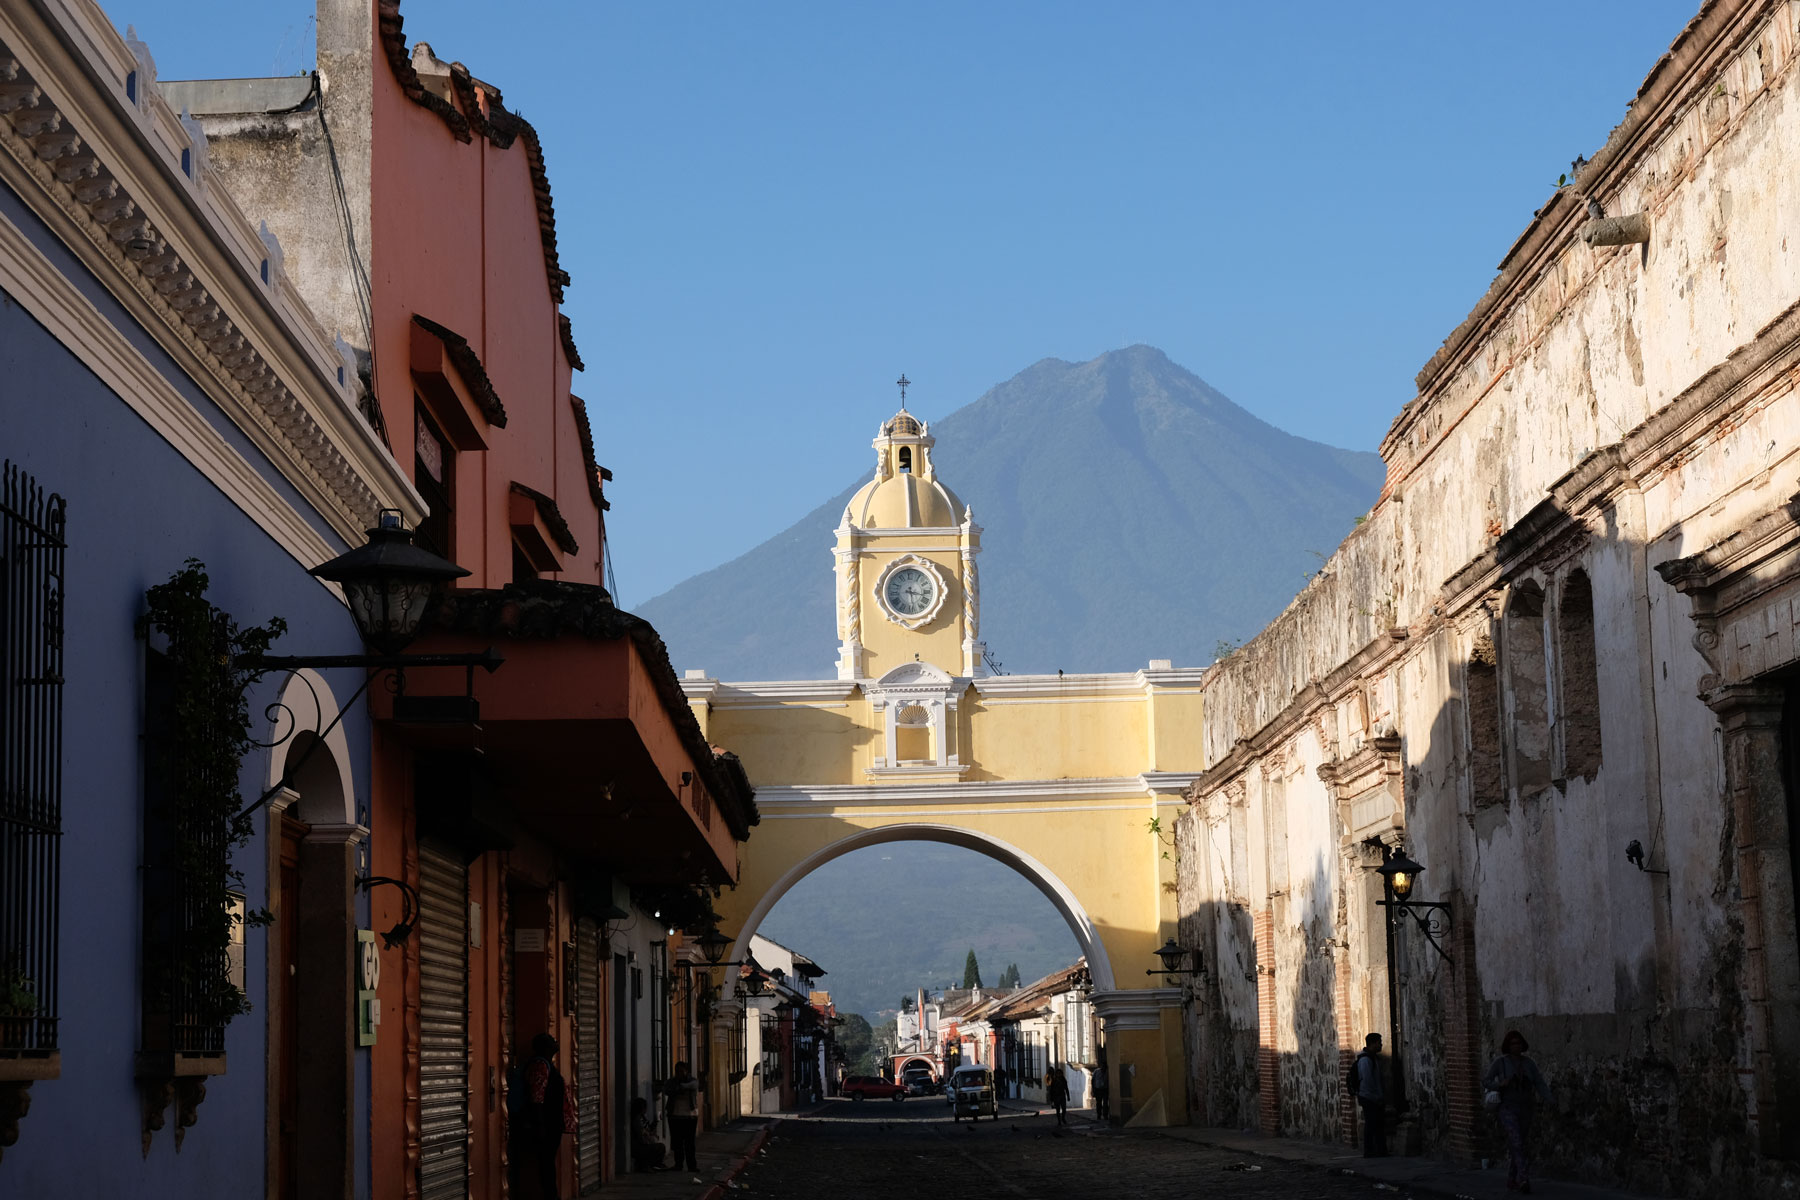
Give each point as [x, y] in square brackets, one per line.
[1570, 355]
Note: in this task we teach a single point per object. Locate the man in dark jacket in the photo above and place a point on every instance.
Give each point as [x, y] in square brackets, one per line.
[1371, 1098]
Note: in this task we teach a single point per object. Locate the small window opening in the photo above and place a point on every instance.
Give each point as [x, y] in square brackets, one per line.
[522, 568]
[1487, 782]
[434, 476]
[1527, 688]
[906, 460]
[1580, 708]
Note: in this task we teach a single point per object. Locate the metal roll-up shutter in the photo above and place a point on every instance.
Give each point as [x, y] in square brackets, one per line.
[587, 1054]
[443, 1023]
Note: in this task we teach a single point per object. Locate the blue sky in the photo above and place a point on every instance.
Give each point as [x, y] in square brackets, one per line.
[770, 211]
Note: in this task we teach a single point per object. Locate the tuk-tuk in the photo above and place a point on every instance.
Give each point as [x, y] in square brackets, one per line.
[972, 1093]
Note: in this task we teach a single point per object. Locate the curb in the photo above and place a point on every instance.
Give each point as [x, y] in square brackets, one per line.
[718, 1190]
[1427, 1189]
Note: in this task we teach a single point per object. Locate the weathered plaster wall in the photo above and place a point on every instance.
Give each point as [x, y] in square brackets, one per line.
[1601, 412]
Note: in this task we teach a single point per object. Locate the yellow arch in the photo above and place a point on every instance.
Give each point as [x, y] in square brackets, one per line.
[1040, 876]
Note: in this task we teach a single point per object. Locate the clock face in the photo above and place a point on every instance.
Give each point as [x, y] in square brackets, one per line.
[910, 591]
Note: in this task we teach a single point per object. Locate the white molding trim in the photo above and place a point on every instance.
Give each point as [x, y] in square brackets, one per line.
[56, 304]
[732, 694]
[1168, 783]
[904, 531]
[338, 833]
[1060, 687]
[182, 259]
[1132, 697]
[1041, 810]
[977, 791]
[1134, 1008]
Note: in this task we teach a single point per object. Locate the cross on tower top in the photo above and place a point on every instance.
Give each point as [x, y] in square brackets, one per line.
[903, 383]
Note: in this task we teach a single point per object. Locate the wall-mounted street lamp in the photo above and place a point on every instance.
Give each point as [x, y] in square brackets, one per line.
[389, 585]
[1174, 959]
[1401, 874]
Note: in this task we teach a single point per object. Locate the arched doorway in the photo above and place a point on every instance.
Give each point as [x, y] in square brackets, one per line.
[313, 840]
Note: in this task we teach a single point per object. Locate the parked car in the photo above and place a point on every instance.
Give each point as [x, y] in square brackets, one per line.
[919, 1081]
[971, 1091]
[862, 1087]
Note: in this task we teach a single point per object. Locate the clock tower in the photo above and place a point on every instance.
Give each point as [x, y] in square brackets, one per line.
[906, 581]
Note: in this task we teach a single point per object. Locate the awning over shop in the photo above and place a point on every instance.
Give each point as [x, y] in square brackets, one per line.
[585, 737]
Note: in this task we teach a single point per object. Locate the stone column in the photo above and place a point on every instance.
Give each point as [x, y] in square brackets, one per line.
[1757, 807]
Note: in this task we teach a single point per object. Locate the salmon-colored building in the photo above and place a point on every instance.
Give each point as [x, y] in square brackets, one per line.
[544, 835]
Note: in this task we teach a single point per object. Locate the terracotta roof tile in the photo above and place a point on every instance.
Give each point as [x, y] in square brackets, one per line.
[497, 126]
[468, 365]
[595, 472]
[568, 340]
[553, 518]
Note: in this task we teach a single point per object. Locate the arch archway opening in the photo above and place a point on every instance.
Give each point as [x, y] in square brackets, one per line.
[1061, 897]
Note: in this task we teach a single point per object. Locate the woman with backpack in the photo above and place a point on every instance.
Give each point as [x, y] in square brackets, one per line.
[1514, 1086]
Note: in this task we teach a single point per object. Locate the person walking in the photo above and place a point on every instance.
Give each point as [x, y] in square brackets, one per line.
[1056, 1087]
[1098, 1090]
[1514, 1086]
[683, 1113]
[545, 1113]
[1371, 1097]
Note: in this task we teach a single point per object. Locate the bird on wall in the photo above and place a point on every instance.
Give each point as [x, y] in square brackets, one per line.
[1595, 209]
[1634, 854]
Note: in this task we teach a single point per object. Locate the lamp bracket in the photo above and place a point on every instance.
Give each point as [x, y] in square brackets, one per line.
[1431, 916]
[488, 660]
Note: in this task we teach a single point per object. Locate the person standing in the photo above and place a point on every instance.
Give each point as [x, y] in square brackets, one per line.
[683, 1112]
[1056, 1086]
[546, 1112]
[1098, 1090]
[1519, 1085]
[1371, 1097]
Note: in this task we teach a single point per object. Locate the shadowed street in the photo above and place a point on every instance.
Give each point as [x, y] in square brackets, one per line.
[880, 1149]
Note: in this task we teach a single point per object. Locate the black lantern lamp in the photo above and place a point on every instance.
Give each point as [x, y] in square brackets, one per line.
[1173, 956]
[713, 946]
[389, 583]
[1400, 874]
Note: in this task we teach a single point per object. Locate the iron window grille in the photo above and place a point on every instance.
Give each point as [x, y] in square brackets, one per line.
[660, 1067]
[771, 1050]
[33, 527]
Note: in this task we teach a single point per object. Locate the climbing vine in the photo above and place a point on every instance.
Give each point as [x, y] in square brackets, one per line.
[197, 733]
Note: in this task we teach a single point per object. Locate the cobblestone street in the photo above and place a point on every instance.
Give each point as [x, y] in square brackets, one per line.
[879, 1150]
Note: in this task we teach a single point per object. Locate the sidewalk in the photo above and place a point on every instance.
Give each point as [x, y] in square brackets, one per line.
[1079, 1118]
[1424, 1175]
[721, 1153]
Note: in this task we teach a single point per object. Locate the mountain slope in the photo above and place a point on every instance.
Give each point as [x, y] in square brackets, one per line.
[1130, 511]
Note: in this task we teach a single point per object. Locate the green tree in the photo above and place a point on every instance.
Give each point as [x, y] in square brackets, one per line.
[1009, 978]
[971, 970]
[857, 1040]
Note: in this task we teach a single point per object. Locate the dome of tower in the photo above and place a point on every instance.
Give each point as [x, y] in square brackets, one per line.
[904, 502]
[902, 424]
